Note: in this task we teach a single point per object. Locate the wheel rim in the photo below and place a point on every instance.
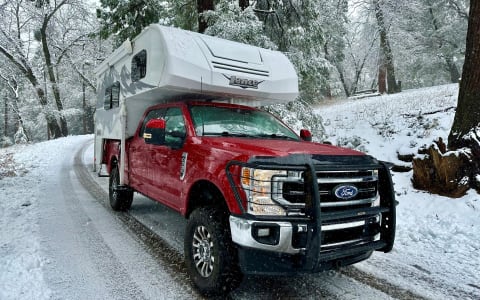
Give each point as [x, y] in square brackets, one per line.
[203, 251]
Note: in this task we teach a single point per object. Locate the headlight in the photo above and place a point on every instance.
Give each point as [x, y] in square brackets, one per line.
[257, 185]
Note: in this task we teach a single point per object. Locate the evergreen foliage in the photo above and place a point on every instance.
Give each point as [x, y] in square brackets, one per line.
[229, 21]
[126, 19]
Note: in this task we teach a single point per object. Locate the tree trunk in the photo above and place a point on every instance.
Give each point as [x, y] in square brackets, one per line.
[386, 56]
[52, 124]
[342, 80]
[52, 78]
[467, 116]
[382, 77]
[202, 6]
[452, 70]
[243, 4]
[5, 116]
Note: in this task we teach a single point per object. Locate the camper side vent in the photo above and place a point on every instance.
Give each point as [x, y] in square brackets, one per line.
[223, 66]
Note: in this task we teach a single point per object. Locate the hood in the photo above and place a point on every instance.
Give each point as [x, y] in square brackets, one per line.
[249, 148]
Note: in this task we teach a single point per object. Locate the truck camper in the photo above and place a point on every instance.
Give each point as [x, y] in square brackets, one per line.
[177, 120]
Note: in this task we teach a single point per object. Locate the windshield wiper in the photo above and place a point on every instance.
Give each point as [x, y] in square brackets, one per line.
[276, 136]
[255, 136]
[226, 133]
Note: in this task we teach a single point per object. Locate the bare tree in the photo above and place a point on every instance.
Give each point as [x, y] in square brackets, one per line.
[11, 82]
[48, 31]
[47, 17]
[16, 48]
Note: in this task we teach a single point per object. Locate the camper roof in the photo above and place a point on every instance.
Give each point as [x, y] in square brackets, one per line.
[187, 64]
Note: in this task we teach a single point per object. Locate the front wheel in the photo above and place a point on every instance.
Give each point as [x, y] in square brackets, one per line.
[120, 197]
[210, 256]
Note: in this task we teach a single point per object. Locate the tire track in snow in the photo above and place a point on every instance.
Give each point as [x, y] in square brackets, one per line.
[156, 246]
[118, 281]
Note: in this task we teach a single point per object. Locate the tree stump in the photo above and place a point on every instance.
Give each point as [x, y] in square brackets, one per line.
[447, 173]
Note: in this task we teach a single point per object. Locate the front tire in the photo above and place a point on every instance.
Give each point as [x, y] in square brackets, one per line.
[120, 197]
[210, 255]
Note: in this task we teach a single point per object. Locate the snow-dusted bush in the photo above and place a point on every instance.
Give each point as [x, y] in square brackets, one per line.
[5, 141]
[20, 137]
[354, 142]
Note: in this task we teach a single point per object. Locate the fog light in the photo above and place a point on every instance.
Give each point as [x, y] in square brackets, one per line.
[263, 232]
[268, 234]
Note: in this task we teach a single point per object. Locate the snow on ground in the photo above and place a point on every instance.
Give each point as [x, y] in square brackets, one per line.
[57, 242]
[22, 168]
[437, 239]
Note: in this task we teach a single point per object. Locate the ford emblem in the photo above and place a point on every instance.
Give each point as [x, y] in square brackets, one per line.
[346, 192]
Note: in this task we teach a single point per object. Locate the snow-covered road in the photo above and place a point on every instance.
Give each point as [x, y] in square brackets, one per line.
[58, 242]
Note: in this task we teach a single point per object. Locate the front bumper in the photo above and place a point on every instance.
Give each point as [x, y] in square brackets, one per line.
[286, 247]
[245, 234]
[324, 238]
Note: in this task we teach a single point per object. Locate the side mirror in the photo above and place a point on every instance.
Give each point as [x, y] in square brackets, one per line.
[306, 135]
[155, 132]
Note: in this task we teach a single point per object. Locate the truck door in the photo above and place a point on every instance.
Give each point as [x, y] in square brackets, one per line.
[142, 158]
[167, 163]
[160, 156]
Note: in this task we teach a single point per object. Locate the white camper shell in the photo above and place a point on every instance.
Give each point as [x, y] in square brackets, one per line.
[168, 64]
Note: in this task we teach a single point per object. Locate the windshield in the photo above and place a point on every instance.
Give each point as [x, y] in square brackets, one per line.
[234, 121]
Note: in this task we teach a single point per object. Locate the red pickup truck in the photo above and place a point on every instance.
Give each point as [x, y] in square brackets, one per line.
[259, 198]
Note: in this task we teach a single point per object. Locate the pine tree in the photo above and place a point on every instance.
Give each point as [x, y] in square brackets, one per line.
[126, 19]
[306, 31]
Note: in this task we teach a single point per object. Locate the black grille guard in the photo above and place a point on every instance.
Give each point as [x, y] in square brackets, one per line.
[314, 217]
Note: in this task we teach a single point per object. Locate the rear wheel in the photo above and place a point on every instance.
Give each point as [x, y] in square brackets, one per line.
[121, 197]
[210, 256]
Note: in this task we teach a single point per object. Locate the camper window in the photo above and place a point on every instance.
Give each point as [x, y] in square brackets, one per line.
[112, 96]
[115, 94]
[139, 65]
[108, 98]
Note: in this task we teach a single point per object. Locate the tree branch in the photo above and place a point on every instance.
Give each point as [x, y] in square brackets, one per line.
[84, 78]
[461, 12]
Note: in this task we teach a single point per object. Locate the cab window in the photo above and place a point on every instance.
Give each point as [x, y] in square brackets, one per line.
[175, 130]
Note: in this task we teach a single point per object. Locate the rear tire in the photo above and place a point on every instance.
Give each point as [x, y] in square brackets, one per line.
[120, 199]
[210, 255]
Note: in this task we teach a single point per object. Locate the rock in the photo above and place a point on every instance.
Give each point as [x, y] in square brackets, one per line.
[405, 157]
